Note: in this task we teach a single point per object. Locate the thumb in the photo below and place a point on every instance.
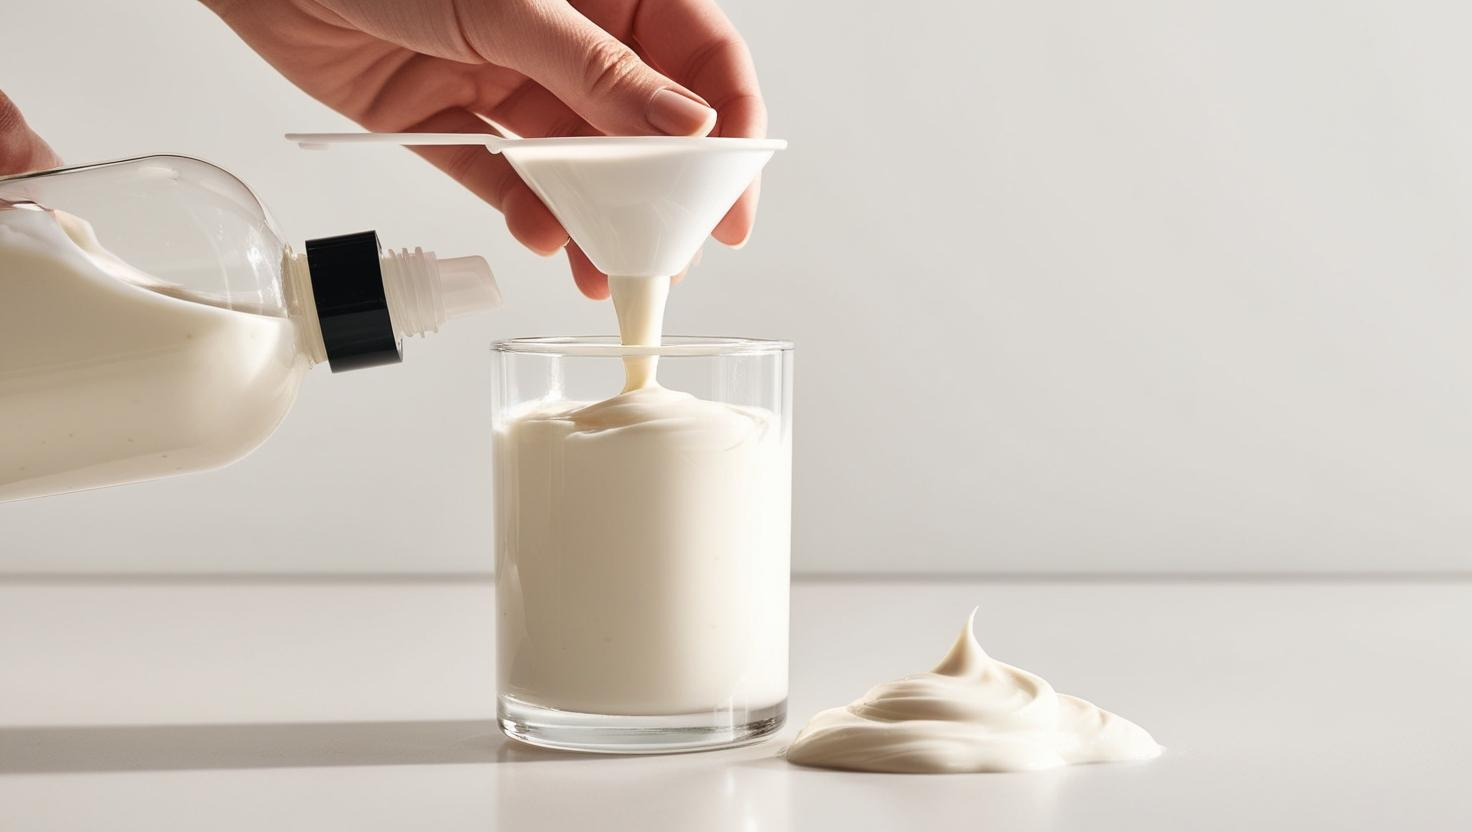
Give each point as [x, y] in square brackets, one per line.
[21, 150]
[595, 74]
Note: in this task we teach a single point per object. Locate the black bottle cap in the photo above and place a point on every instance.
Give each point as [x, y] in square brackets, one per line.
[347, 283]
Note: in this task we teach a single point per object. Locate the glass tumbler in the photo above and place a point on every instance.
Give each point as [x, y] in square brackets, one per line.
[642, 542]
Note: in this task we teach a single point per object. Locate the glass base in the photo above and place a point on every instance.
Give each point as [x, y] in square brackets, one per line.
[606, 734]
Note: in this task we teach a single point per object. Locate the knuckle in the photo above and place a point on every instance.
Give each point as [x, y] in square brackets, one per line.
[723, 54]
[475, 27]
[710, 53]
[375, 120]
[570, 126]
[610, 66]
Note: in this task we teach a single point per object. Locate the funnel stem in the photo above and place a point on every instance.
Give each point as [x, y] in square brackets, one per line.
[639, 303]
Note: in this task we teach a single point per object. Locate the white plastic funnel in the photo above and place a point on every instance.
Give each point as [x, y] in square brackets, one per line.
[638, 206]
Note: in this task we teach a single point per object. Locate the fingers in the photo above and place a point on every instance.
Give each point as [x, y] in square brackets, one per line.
[21, 150]
[589, 280]
[529, 221]
[590, 70]
[734, 229]
[532, 111]
[698, 46]
[695, 42]
[489, 177]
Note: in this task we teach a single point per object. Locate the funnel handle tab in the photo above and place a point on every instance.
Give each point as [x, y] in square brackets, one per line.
[492, 142]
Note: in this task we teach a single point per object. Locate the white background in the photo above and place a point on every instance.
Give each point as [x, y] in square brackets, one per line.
[1130, 286]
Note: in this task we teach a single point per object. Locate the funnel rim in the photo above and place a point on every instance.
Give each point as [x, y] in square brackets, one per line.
[607, 346]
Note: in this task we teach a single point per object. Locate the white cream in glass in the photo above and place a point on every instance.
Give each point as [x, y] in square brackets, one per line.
[642, 541]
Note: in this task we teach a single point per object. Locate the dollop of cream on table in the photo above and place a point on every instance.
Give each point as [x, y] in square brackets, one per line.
[971, 713]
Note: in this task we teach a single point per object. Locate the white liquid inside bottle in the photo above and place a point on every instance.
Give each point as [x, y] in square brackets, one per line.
[109, 375]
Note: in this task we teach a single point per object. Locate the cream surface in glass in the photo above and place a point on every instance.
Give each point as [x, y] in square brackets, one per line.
[642, 542]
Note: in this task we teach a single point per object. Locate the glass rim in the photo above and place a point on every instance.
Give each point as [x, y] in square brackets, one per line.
[607, 346]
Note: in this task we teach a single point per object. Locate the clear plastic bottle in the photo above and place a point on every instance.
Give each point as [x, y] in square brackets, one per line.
[153, 321]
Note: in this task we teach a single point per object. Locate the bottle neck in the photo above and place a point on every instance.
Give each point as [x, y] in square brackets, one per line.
[411, 284]
[301, 305]
[411, 290]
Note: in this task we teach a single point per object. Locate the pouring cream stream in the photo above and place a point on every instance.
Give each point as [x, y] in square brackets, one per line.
[971, 713]
[639, 303]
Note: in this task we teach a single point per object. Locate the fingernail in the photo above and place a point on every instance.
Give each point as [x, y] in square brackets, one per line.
[674, 114]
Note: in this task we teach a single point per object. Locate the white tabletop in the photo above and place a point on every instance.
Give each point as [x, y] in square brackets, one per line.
[368, 704]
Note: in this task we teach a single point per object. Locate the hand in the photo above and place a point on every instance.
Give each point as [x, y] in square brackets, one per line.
[537, 67]
[21, 150]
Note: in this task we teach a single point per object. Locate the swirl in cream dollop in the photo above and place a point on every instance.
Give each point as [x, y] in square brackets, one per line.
[971, 713]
